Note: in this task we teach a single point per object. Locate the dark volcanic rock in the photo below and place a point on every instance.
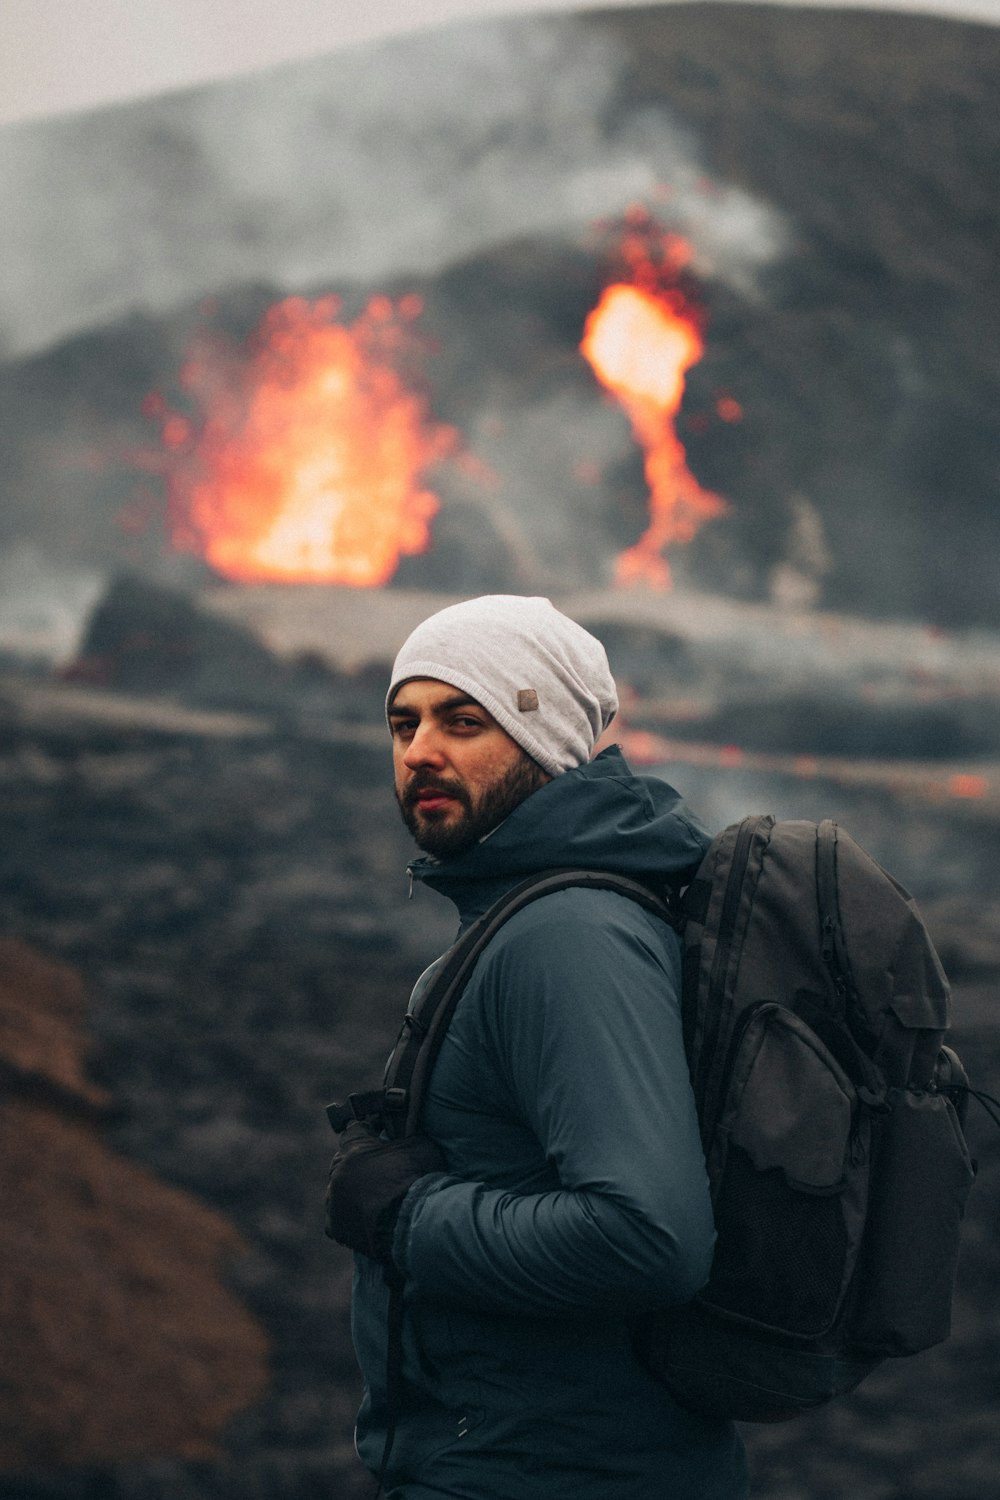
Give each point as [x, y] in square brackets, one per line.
[235, 895]
[148, 639]
[151, 640]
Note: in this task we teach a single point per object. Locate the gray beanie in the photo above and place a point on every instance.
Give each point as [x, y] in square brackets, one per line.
[544, 678]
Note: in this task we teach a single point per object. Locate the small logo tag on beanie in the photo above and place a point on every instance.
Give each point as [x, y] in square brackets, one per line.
[527, 700]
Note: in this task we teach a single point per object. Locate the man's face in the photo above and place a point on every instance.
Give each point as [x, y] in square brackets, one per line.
[458, 774]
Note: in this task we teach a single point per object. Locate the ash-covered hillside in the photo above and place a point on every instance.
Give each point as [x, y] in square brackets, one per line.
[835, 173]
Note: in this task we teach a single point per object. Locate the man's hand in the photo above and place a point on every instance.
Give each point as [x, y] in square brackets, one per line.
[369, 1178]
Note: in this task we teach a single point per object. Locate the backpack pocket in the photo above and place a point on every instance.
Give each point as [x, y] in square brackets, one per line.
[921, 1178]
[789, 1168]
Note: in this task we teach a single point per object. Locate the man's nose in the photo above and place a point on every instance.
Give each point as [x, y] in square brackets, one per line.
[426, 748]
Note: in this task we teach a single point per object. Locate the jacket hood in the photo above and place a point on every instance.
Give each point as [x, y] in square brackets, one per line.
[598, 816]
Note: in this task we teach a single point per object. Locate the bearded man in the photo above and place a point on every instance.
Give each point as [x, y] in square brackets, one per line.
[557, 1190]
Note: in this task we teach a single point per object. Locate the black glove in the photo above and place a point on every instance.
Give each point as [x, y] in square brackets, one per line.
[369, 1178]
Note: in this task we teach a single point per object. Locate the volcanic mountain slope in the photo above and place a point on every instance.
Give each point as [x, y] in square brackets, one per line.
[864, 354]
[120, 1341]
[868, 374]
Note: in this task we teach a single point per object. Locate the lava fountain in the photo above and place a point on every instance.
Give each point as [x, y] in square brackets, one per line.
[640, 340]
[304, 458]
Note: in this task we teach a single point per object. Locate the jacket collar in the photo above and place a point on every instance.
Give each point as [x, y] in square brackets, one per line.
[599, 816]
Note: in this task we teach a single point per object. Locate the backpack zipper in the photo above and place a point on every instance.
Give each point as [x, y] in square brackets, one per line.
[735, 1042]
[723, 947]
[832, 950]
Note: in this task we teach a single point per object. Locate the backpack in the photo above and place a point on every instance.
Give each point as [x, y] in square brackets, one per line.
[814, 1011]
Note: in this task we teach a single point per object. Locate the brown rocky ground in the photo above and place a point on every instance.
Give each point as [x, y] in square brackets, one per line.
[121, 1341]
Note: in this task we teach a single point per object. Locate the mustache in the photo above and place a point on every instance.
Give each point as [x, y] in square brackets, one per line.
[430, 783]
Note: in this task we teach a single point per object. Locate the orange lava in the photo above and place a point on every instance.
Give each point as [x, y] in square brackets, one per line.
[640, 340]
[305, 458]
[965, 785]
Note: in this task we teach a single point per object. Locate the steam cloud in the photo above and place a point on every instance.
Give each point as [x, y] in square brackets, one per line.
[44, 605]
[396, 157]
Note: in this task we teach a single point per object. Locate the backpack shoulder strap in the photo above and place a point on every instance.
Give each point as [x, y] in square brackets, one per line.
[425, 1025]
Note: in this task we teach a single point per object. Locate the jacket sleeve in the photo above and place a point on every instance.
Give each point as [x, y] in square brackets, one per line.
[581, 1008]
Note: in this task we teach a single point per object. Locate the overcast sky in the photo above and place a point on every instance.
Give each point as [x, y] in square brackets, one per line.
[62, 55]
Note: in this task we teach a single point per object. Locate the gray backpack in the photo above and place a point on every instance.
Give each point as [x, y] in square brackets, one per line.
[814, 1013]
[815, 1010]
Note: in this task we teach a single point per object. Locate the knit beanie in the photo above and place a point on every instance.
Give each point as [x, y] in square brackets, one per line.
[544, 678]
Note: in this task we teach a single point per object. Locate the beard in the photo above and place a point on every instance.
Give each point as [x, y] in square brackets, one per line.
[445, 836]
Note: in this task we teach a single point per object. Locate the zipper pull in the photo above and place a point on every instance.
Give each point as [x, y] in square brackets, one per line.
[409, 876]
[871, 1102]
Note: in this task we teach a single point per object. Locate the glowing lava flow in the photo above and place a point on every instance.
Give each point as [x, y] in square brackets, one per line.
[640, 340]
[305, 460]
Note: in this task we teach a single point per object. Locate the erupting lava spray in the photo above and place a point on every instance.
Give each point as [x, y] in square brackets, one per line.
[305, 458]
[641, 339]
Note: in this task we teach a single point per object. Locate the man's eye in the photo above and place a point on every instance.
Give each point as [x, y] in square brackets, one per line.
[466, 721]
[404, 728]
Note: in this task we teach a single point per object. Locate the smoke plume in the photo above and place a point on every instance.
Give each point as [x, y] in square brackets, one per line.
[396, 157]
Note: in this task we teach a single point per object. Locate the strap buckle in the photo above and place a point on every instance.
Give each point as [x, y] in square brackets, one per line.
[368, 1106]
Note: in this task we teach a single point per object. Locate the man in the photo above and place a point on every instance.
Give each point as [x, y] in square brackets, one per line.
[558, 1189]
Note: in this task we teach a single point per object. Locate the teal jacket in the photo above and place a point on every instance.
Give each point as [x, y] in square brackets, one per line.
[575, 1194]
